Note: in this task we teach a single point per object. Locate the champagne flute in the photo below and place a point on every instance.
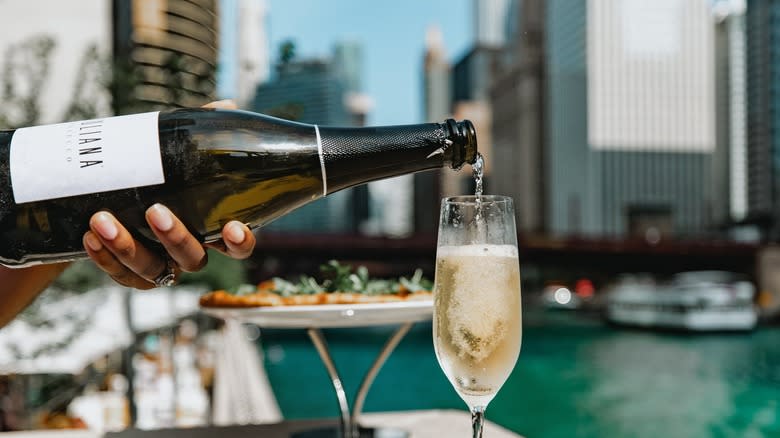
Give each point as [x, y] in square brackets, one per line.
[477, 322]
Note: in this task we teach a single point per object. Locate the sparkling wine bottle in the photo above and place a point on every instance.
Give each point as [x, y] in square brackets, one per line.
[209, 166]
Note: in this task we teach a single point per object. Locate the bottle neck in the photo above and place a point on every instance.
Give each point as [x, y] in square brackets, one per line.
[352, 156]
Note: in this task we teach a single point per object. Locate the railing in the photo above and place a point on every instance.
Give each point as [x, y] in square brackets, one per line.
[292, 254]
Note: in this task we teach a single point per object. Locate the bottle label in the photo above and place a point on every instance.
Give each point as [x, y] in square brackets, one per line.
[89, 156]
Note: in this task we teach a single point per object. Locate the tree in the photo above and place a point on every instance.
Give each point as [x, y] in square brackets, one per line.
[286, 52]
[90, 82]
[25, 70]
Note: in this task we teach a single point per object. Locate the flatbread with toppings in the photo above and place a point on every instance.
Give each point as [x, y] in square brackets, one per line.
[341, 285]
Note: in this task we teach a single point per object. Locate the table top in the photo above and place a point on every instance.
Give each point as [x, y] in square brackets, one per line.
[329, 315]
[420, 424]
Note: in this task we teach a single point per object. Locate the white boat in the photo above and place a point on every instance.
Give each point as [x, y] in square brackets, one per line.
[699, 301]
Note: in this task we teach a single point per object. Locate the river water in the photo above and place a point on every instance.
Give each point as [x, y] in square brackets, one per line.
[576, 377]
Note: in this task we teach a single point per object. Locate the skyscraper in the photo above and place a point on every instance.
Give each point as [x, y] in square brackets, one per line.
[244, 59]
[318, 91]
[622, 140]
[472, 76]
[489, 22]
[168, 51]
[730, 158]
[570, 186]
[518, 108]
[252, 57]
[437, 101]
[436, 77]
[310, 91]
[651, 118]
[763, 111]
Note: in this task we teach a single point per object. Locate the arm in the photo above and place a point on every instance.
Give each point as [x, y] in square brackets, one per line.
[115, 251]
[124, 258]
[21, 286]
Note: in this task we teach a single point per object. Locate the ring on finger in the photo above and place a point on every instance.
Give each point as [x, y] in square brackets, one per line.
[167, 277]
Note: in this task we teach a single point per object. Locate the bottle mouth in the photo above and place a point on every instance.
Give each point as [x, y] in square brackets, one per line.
[464, 136]
[471, 139]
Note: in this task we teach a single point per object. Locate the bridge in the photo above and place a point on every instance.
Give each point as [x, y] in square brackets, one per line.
[282, 254]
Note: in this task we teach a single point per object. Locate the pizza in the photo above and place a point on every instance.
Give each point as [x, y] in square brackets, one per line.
[342, 285]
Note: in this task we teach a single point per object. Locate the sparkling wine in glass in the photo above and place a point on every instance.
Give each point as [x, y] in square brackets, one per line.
[477, 322]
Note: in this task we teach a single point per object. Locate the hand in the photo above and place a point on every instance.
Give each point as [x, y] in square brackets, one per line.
[128, 262]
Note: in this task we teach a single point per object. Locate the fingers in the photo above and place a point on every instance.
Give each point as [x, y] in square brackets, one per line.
[239, 240]
[222, 104]
[181, 245]
[115, 251]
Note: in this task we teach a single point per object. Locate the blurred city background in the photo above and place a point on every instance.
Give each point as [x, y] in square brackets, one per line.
[639, 139]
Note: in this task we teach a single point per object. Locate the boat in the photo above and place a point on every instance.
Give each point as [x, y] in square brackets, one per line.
[697, 301]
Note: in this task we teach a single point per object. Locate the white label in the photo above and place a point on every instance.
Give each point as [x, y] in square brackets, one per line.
[89, 156]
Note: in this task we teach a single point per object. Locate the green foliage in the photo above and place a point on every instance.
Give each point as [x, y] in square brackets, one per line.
[92, 73]
[221, 272]
[122, 81]
[25, 64]
[81, 276]
[287, 51]
[51, 310]
[343, 278]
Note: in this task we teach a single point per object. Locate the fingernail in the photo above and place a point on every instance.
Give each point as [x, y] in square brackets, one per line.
[93, 242]
[235, 233]
[105, 226]
[161, 217]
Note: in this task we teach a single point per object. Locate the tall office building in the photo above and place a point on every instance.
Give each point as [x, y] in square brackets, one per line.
[436, 77]
[472, 76]
[252, 57]
[322, 92]
[517, 105]
[310, 91]
[437, 101]
[244, 58]
[622, 140]
[763, 109]
[570, 187]
[170, 50]
[651, 118]
[730, 159]
[462, 92]
[489, 22]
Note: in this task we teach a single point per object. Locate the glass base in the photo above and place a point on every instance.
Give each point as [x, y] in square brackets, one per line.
[365, 432]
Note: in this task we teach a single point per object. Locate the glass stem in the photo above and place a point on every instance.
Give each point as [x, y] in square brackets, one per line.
[477, 418]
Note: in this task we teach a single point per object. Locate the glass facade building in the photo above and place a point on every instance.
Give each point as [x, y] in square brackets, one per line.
[630, 118]
[316, 91]
[168, 51]
[763, 109]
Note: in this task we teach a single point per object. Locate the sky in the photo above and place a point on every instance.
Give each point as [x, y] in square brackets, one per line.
[393, 38]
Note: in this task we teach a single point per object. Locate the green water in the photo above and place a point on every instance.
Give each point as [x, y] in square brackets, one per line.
[576, 377]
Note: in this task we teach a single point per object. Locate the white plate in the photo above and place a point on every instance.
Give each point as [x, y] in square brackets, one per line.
[329, 315]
